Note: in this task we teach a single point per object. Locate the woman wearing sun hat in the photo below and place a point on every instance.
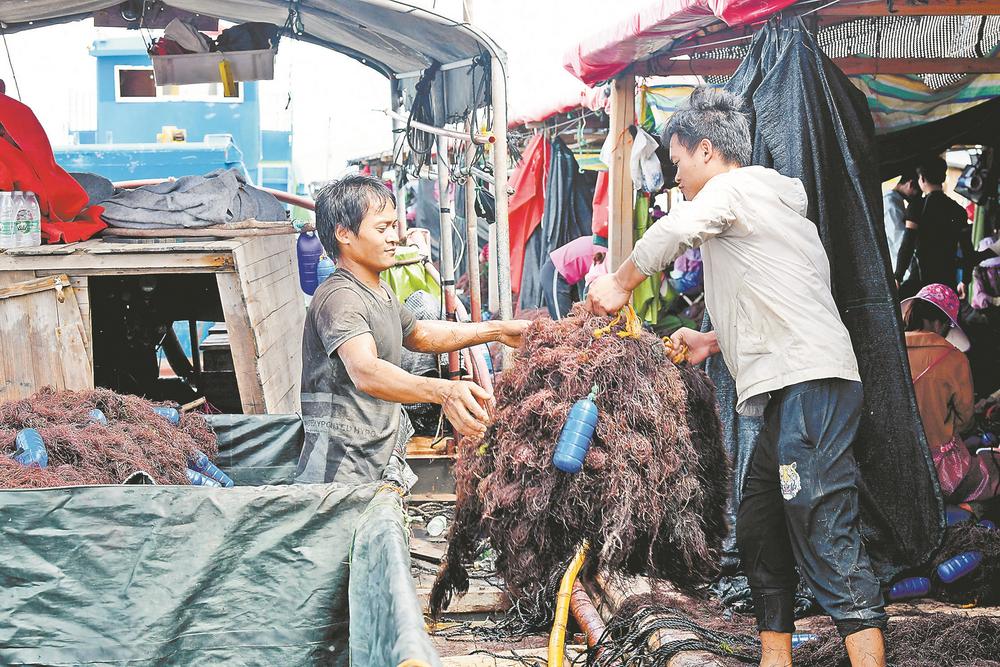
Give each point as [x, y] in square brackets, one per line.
[942, 383]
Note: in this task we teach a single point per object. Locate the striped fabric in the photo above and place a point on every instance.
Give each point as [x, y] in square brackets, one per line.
[896, 101]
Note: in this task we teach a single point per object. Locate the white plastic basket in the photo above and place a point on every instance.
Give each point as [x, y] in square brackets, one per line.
[185, 68]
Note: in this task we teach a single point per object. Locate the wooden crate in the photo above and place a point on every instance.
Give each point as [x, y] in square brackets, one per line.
[258, 287]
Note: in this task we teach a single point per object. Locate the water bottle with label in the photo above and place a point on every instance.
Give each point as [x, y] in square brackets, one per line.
[22, 220]
[35, 219]
[7, 237]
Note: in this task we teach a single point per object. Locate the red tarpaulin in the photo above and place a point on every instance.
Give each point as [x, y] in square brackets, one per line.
[604, 55]
[594, 99]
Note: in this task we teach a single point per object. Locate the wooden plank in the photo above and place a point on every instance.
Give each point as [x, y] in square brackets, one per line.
[849, 8]
[850, 66]
[81, 285]
[241, 342]
[275, 308]
[620, 194]
[85, 263]
[34, 285]
[42, 344]
[112, 248]
[18, 378]
[428, 551]
[74, 339]
[54, 249]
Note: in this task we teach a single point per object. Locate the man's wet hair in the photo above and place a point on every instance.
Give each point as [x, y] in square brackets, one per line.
[716, 115]
[933, 169]
[345, 203]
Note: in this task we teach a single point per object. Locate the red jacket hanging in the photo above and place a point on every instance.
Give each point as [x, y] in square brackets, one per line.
[27, 164]
[527, 203]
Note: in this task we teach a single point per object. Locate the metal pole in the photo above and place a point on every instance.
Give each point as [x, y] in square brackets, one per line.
[501, 253]
[441, 132]
[447, 252]
[472, 237]
[398, 143]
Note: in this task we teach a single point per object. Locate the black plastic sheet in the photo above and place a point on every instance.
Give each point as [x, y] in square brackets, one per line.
[812, 124]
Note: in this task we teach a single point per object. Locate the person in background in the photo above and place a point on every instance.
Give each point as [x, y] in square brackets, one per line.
[599, 266]
[894, 204]
[937, 228]
[942, 384]
[563, 275]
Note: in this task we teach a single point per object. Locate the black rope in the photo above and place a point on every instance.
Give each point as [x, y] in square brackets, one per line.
[10, 62]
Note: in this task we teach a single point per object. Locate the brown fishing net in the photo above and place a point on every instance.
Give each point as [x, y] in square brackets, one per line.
[650, 497]
[83, 452]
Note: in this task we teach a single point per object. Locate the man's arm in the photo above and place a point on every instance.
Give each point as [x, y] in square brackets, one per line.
[688, 225]
[462, 402]
[436, 336]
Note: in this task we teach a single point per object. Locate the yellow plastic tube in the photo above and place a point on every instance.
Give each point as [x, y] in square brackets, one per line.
[557, 638]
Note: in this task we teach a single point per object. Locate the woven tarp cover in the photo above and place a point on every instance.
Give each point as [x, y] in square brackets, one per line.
[812, 124]
[387, 626]
[144, 575]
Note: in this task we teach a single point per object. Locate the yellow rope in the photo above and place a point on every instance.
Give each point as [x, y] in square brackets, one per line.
[677, 353]
[557, 639]
[632, 325]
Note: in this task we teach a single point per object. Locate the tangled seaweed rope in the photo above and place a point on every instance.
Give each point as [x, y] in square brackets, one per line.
[631, 637]
[81, 451]
[528, 615]
[651, 494]
[934, 640]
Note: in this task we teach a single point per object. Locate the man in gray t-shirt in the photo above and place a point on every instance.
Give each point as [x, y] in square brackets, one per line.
[355, 331]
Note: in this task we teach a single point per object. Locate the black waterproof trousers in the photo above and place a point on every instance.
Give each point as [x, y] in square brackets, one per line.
[800, 506]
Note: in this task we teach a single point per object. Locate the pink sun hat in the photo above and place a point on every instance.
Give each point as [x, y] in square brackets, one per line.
[945, 299]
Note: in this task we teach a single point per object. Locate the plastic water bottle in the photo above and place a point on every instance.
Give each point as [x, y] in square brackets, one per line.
[800, 638]
[201, 463]
[959, 566]
[97, 417]
[577, 434]
[34, 219]
[197, 479]
[30, 449]
[324, 269]
[308, 248]
[170, 414]
[22, 220]
[987, 524]
[8, 237]
[907, 589]
[955, 515]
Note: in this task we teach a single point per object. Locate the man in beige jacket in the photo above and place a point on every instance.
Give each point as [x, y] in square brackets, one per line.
[767, 290]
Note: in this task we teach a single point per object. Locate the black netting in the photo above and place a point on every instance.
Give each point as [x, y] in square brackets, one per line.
[899, 37]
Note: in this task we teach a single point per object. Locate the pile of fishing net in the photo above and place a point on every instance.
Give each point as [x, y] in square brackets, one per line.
[81, 450]
[982, 585]
[632, 636]
[651, 495]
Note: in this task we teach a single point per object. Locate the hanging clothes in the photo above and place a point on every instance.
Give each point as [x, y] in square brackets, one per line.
[599, 222]
[646, 296]
[527, 203]
[567, 215]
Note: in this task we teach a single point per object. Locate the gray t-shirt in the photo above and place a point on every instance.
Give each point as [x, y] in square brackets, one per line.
[349, 435]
